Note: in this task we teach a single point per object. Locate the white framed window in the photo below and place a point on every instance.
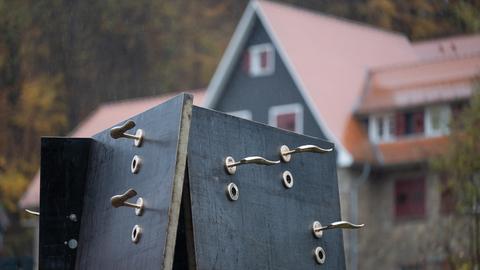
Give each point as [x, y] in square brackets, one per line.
[381, 128]
[437, 120]
[245, 114]
[289, 117]
[261, 60]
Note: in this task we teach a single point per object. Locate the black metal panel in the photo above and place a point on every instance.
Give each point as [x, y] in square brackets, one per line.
[63, 169]
[105, 240]
[269, 227]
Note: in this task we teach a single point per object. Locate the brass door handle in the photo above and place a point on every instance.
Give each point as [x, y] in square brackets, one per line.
[285, 152]
[318, 228]
[121, 200]
[231, 164]
[120, 132]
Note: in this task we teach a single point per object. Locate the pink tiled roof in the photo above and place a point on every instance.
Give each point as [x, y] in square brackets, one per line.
[331, 58]
[105, 116]
[420, 83]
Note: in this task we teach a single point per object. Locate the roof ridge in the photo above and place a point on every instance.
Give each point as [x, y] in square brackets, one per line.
[425, 62]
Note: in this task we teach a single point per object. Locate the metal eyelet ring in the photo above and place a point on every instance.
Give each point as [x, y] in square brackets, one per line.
[287, 179]
[320, 255]
[232, 192]
[136, 164]
[136, 234]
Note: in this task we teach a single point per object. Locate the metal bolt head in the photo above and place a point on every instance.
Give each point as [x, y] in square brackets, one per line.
[229, 161]
[284, 153]
[72, 243]
[139, 211]
[139, 134]
[316, 229]
[72, 217]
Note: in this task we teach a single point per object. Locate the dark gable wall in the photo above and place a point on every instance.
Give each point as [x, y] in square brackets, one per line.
[258, 94]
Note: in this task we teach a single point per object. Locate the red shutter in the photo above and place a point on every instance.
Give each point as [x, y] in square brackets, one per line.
[400, 124]
[263, 59]
[418, 122]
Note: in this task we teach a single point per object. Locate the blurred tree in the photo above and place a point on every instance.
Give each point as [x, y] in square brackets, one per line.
[461, 164]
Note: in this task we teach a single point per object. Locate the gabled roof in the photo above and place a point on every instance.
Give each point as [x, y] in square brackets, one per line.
[105, 116]
[327, 57]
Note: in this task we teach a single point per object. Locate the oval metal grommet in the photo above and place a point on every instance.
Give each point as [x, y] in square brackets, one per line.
[232, 192]
[287, 179]
[320, 255]
[136, 164]
[136, 234]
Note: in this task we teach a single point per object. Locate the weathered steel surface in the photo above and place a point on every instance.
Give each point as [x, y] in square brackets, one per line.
[105, 237]
[63, 168]
[269, 226]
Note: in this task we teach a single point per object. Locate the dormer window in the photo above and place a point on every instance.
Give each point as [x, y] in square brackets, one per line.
[431, 121]
[261, 60]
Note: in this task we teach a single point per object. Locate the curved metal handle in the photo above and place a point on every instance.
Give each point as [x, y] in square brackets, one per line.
[121, 200]
[286, 152]
[318, 228]
[34, 213]
[120, 132]
[231, 164]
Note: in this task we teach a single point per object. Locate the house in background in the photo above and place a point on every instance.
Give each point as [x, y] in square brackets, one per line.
[384, 101]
